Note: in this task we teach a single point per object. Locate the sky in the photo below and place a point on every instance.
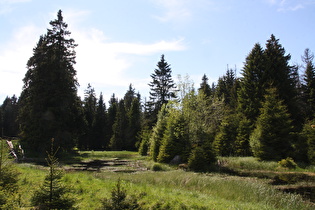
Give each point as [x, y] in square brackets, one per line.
[120, 42]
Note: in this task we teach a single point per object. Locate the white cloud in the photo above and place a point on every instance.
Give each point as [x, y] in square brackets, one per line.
[13, 59]
[290, 5]
[6, 6]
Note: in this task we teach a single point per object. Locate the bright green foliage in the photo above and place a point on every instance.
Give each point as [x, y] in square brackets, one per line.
[49, 105]
[157, 133]
[175, 139]
[53, 194]
[250, 94]
[287, 163]
[144, 140]
[224, 142]
[307, 141]
[271, 139]
[120, 200]
[8, 179]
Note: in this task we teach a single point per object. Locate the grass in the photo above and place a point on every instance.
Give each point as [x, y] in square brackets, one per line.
[167, 189]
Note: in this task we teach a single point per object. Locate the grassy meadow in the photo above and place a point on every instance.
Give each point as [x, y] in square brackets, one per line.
[168, 188]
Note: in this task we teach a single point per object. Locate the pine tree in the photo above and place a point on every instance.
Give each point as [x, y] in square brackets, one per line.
[175, 139]
[271, 139]
[49, 105]
[226, 89]
[9, 111]
[134, 124]
[117, 141]
[158, 130]
[309, 83]
[162, 88]
[251, 92]
[205, 87]
[87, 140]
[280, 75]
[53, 194]
[100, 126]
[112, 112]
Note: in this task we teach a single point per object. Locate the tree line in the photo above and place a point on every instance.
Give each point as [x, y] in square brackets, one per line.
[267, 112]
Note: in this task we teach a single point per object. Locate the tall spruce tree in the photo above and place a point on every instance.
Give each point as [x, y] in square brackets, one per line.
[9, 112]
[89, 109]
[205, 87]
[100, 126]
[271, 139]
[117, 141]
[251, 92]
[280, 75]
[162, 88]
[309, 83]
[49, 105]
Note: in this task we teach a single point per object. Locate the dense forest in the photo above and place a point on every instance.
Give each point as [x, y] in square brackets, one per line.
[268, 112]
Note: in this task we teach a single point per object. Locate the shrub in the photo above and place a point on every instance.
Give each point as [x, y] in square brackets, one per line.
[197, 160]
[157, 167]
[119, 199]
[287, 163]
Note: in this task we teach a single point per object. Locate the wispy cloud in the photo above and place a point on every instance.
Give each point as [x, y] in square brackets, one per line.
[290, 5]
[6, 6]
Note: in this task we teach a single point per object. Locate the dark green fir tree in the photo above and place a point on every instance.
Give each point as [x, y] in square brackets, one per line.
[49, 105]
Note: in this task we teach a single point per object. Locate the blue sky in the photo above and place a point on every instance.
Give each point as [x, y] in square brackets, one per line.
[121, 41]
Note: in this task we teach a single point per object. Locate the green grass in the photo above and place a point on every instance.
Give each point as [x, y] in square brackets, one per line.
[167, 189]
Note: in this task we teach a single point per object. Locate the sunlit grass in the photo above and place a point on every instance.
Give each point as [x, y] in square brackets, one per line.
[173, 189]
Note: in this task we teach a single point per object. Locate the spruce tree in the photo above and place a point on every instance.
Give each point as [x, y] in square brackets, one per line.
[53, 194]
[271, 139]
[251, 92]
[280, 75]
[162, 89]
[100, 126]
[89, 109]
[309, 83]
[175, 139]
[112, 112]
[49, 105]
[205, 87]
[117, 141]
[9, 111]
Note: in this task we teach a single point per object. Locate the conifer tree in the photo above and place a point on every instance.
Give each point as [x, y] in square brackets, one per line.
[112, 112]
[227, 88]
[49, 105]
[53, 194]
[134, 124]
[205, 87]
[162, 88]
[309, 83]
[271, 139]
[89, 109]
[175, 140]
[100, 126]
[280, 75]
[251, 92]
[9, 112]
[117, 141]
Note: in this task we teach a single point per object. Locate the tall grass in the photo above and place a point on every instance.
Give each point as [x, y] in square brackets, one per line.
[171, 189]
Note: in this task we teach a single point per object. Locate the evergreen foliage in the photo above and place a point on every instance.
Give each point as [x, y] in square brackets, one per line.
[157, 133]
[205, 87]
[198, 161]
[8, 179]
[100, 126]
[117, 141]
[251, 92]
[49, 105]
[271, 139]
[308, 86]
[9, 113]
[162, 89]
[175, 140]
[53, 194]
[120, 200]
